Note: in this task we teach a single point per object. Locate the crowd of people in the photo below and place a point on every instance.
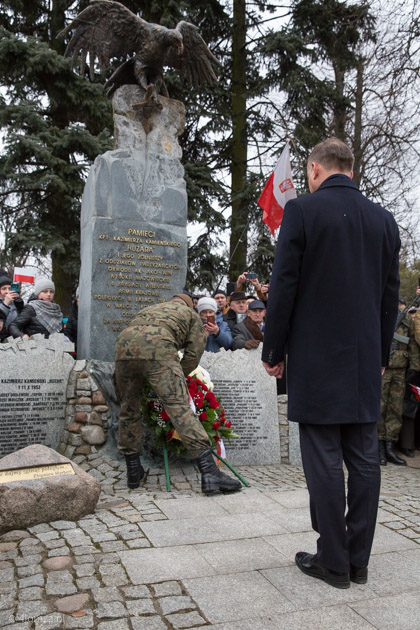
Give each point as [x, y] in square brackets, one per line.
[236, 320]
[40, 315]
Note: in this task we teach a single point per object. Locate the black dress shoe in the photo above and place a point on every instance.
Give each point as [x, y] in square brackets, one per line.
[407, 452]
[359, 576]
[392, 456]
[310, 565]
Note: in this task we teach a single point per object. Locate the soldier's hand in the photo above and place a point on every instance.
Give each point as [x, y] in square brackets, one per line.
[251, 343]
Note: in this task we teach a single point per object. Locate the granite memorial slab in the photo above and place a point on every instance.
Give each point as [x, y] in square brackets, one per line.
[33, 383]
[133, 224]
[249, 397]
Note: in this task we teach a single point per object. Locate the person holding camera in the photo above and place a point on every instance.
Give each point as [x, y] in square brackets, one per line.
[217, 331]
[11, 304]
[252, 278]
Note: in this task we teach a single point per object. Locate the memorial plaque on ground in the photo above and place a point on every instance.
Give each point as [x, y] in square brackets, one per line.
[133, 226]
[33, 382]
[249, 397]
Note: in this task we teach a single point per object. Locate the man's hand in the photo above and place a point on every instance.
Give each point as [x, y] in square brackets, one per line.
[256, 283]
[241, 280]
[382, 371]
[251, 343]
[274, 370]
[264, 288]
[211, 329]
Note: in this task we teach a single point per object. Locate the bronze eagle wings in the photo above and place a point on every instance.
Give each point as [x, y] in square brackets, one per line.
[107, 29]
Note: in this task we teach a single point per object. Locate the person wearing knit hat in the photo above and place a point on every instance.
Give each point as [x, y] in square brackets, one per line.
[147, 352]
[11, 304]
[217, 331]
[40, 315]
[43, 284]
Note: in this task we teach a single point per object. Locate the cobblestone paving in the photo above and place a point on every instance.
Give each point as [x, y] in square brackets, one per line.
[70, 574]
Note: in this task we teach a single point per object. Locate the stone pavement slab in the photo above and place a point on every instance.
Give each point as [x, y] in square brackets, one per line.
[291, 519]
[236, 596]
[398, 612]
[306, 592]
[386, 540]
[395, 572]
[332, 617]
[241, 555]
[180, 532]
[156, 565]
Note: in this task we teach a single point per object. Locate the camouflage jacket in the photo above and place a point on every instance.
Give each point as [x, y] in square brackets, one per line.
[405, 355]
[160, 329]
[416, 322]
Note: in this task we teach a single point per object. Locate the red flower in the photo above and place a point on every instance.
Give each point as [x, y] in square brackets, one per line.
[203, 416]
[164, 415]
[216, 426]
[206, 389]
[216, 438]
[151, 403]
[199, 403]
[214, 404]
[170, 434]
[228, 424]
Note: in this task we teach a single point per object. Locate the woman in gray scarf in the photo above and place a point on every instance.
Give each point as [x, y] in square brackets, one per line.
[40, 315]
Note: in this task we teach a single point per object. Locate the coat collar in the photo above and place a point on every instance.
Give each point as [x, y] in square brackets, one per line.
[338, 179]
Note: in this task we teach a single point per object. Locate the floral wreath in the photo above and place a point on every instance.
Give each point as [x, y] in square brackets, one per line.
[203, 403]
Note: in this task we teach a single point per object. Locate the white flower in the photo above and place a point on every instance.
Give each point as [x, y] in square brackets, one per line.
[203, 375]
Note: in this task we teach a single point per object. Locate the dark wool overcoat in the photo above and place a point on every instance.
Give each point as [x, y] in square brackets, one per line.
[333, 303]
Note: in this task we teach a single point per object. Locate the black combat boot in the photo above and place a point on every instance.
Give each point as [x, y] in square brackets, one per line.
[382, 456]
[392, 457]
[212, 479]
[135, 471]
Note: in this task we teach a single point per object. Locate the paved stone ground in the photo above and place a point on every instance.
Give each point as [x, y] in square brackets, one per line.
[153, 560]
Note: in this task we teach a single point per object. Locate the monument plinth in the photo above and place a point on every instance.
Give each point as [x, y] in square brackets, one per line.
[133, 223]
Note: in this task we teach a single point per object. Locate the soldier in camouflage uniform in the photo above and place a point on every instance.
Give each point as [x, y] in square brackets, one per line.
[147, 351]
[405, 354]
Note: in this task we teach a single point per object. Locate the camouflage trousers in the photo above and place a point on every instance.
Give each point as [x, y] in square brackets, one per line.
[392, 398]
[168, 381]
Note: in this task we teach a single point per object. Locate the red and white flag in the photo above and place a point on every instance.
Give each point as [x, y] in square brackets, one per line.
[416, 391]
[277, 192]
[23, 274]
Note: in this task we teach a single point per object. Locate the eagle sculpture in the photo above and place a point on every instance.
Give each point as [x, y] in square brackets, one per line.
[107, 29]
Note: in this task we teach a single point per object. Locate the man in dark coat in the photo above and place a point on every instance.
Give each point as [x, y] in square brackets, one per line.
[333, 302]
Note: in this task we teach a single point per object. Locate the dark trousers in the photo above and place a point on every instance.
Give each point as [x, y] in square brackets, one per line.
[344, 538]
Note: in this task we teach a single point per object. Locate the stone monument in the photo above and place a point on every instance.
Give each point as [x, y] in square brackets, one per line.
[33, 384]
[133, 224]
[37, 485]
[249, 398]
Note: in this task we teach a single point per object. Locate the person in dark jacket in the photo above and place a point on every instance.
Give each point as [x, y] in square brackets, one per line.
[11, 304]
[216, 329]
[333, 306]
[40, 315]
[71, 325]
[238, 309]
[248, 334]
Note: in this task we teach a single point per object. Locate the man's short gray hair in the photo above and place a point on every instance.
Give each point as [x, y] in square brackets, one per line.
[333, 154]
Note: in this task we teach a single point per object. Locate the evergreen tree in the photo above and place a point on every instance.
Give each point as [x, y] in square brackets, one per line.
[54, 124]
